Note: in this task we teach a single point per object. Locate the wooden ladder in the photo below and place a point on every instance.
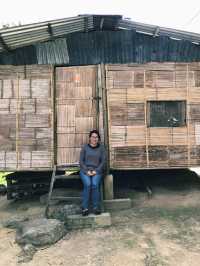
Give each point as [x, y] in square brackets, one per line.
[55, 176]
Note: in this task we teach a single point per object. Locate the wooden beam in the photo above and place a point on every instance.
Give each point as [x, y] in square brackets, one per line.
[108, 187]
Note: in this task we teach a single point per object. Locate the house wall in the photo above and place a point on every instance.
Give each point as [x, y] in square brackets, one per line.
[133, 143]
[38, 129]
[26, 118]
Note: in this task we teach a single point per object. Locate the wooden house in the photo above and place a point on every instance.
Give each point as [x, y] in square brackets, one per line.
[138, 84]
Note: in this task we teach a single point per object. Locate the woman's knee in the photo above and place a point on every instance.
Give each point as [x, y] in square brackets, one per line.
[96, 180]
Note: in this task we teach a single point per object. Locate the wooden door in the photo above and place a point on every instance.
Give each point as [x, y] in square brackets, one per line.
[76, 109]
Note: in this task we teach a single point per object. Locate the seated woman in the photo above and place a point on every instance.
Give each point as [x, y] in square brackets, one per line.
[92, 162]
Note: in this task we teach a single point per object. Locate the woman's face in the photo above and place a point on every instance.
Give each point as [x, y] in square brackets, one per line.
[94, 139]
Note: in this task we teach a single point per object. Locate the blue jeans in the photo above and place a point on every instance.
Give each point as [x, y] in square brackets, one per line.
[90, 183]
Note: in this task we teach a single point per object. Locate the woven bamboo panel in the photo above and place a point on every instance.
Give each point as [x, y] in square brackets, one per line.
[76, 110]
[195, 155]
[26, 115]
[135, 136]
[25, 72]
[129, 157]
[130, 88]
[68, 155]
[117, 136]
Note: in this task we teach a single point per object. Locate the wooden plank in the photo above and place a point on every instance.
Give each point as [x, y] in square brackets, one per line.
[40, 88]
[24, 160]
[41, 159]
[65, 140]
[108, 187]
[178, 155]
[116, 97]
[195, 155]
[181, 79]
[118, 115]
[37, 120]
[44, 144]
[24, 88]
[158, 156]
[66, 116]
[129, 157]
[43, 106]
[8, 91]
[62, 129]
[2, 160]
[68, 155]
[85, 108]
[194, 112]
[4, 106]
[123, 79]
[26, 106]
[11, 160]
[159, 79]
[135, 114]
[117, 136]
[135, 136]
[160, 136]
[81, 139]
[84, 124]
[24, 133]
[43, 133]
[135, 95]
[6, 144]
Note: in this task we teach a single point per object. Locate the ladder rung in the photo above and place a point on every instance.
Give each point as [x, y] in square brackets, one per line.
[66, 177]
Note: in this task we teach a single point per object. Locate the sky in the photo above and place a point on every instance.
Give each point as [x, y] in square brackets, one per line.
[184, 15]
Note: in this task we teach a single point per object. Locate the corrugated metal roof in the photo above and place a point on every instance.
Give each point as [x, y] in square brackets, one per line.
[25, 35]
[52, 51]
[159, 31]
[15, 37]
[104, 47]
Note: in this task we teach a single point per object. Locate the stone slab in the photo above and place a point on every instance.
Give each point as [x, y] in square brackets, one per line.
[117, 204]
[90, 221]
[40, 232]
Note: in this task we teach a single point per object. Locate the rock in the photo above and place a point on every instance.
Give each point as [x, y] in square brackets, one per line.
[15, 222]
[27, 253]
[40, 232]
[62, 212]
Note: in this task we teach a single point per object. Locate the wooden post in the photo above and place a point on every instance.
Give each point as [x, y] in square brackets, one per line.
[108, 187]
[108, 180]
[53, 110]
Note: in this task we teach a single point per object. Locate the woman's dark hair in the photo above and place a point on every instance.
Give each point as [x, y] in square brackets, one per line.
[96, 132]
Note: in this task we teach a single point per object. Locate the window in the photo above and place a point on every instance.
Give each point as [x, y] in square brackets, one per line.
[166, 113]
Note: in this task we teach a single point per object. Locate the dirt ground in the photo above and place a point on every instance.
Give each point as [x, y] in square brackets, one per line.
[161, 230]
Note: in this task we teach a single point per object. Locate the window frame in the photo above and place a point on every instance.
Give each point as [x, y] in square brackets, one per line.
[170, 125]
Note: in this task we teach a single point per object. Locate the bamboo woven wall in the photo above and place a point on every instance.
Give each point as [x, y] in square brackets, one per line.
[133, 144]
[26, 131]
[76, 110]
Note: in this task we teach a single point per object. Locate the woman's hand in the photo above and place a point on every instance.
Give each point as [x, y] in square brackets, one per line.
[94, 172]
[91, 173]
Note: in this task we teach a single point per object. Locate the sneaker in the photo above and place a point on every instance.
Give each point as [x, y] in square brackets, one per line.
[85, 212]
[96, 211]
